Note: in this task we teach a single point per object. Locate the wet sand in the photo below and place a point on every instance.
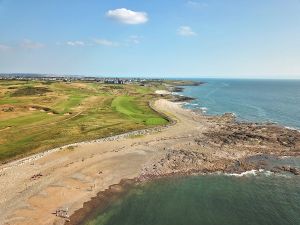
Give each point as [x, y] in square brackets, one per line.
[33, 189]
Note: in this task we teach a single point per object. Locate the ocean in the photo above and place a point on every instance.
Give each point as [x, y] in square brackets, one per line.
[276, 101]
[260, 199]
[208, 200]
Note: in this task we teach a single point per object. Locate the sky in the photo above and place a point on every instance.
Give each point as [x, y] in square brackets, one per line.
[152, 38]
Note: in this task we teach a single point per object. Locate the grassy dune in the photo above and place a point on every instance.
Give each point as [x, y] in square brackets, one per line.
[35, 116]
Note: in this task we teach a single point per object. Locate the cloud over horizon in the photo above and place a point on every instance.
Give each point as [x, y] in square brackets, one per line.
[76, 43]
[127, 16]
[29, 44]
[4, 47]
[105, 42]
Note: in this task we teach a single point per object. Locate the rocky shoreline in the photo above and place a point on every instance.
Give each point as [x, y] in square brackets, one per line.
[265, 147]
[193, 144]
[105, 198]
[226, 146]
[100, 202]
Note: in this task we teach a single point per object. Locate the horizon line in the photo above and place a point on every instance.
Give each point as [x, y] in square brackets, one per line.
[257, 77]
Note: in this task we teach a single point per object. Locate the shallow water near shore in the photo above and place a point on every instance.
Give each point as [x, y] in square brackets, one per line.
[251, 100]
[208, 200]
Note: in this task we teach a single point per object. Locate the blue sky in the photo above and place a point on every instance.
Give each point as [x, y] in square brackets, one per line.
[161, 38]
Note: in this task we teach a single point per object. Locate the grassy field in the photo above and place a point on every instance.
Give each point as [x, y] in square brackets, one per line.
[36, 116]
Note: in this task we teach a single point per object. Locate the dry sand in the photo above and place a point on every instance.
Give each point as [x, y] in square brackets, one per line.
[33, 189]
[162, 92]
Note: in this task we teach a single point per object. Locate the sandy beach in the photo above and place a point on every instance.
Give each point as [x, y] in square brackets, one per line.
[32, 190]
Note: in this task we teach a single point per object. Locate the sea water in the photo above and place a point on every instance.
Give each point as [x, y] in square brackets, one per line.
[276, 101]
[228, 199]
[208, 200]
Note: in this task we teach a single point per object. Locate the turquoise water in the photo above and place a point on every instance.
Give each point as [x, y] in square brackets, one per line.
[208, 200]
[251, 100]
[220, 199]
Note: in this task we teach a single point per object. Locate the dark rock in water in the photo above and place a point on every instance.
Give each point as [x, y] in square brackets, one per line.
[181, 85]
[198, 83]
[193, 83]
[290, 169]
[295, 170]
[231, 115]
[286, 168]
[177, 89]
[276, 169]
[179, 98]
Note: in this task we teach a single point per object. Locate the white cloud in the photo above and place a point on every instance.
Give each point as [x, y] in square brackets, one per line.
[186, 31]
[135, 39]
[106, 42]
[4, 47]
[28, 44]
[196, 4]
[127, 16]
[76, 43]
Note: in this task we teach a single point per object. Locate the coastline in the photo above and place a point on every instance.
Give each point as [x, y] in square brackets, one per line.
[113, 193]
[156, 155]
[222, 96]
[102, 200]
[44, 156]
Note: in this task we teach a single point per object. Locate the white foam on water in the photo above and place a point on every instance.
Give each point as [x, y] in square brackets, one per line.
[251, 173]
[292, 128]
[234, 114]
[177, 94]
[260, 172]
[204, 109]
[247, 173]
